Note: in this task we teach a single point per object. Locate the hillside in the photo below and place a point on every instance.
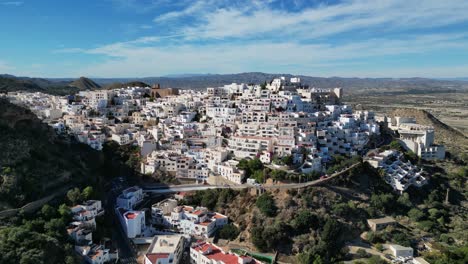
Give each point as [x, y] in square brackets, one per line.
[315, 223]
[84, 83]
[127, 84]
[8, 84]
[444, 134]
[34, 161]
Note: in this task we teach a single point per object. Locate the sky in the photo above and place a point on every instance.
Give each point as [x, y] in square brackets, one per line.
[143, 38]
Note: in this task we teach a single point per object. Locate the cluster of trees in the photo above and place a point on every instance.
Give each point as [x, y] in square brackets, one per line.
[211, 199]
[76, 196]
[39, 238]
[255, 169]
[339, 162]
[250, 166]
[229, 232]
[328, 247]
[266, 204]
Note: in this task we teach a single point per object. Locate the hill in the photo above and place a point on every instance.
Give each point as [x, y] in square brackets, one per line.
[84, 83]
[127, 84]
[444, 134]
[34, 161]
[193, 81]
[9, 84]
[213, 80]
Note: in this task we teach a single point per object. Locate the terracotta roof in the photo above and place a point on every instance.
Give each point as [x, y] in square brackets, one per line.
[217, 254]
[219, 216]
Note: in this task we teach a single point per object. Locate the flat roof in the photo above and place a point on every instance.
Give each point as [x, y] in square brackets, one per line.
[164, 244]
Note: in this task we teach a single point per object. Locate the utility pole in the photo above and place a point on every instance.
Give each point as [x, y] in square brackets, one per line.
[447, 197]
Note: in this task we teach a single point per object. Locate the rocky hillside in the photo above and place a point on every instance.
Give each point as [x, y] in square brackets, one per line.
[444, 134]
[84, 83]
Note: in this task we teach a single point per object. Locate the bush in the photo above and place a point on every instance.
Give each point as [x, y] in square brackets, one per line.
[266, 204]
[361, 253]
[379, 247]
[303, 221]
[229, 232]
[415, 214]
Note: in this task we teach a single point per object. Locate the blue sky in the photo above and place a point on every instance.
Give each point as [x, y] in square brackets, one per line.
[139, 38]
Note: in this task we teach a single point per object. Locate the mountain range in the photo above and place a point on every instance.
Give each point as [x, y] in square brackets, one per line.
[200, 81]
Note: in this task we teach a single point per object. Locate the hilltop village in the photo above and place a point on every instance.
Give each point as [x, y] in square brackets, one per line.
[207, 138]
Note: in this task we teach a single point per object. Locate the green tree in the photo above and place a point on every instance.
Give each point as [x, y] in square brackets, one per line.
[74, 195]
[379, 247]
[288, 160]
[229, 232]
[209, 199]
[303, 221]
[415, 214]
[65, 212]
[48, 212]
[266, 204]
[87, 193]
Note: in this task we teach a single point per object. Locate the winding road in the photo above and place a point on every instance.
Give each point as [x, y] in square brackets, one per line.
[191, 187]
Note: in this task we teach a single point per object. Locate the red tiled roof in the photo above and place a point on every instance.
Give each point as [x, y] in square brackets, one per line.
[198, 212]
[217, 254]
[153, 257]
[219, 216]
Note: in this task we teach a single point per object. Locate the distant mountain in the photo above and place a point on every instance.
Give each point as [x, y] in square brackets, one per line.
[185, 75]
[10, 84]
[127, 84]
[213, 80]
[201, 81]
[84, 83]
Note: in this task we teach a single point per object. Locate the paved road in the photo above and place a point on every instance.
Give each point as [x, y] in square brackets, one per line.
[191, 187]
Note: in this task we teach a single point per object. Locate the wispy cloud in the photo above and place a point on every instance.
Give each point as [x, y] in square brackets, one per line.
[129, 59]
[195, 7]
[12, 3]
[4, 67]
[326, 20]
[243, 35]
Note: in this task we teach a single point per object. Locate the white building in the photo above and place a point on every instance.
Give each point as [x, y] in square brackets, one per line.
[400, 175]
[130, 197]
[230, 171]
[191, 221]
[165, 249]
[208, 253]
[133, 222]
[420, 140]
[400, 251]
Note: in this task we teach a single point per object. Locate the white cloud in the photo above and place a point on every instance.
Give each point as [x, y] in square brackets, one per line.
[12, 3]
[130, 59]
[328, 20]
[191, 9]
[4, 67]
[239, 36]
